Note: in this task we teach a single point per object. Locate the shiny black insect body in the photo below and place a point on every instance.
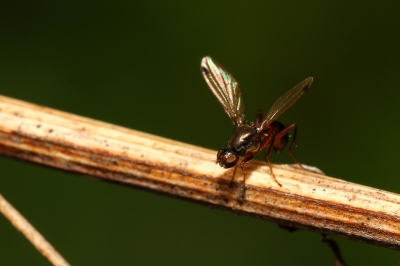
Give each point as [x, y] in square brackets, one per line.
[250, 138]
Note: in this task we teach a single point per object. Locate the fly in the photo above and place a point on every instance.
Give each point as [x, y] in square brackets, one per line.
[249, 138]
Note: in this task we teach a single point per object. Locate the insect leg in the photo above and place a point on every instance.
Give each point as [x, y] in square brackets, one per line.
[259, 118]
[282, 133]
[250, 154]
[268, 140]
[233, 176]
[268, 153]
[249, 157]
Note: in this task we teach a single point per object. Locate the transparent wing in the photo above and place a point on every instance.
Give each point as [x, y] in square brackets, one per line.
[285, 101]
[225, 88]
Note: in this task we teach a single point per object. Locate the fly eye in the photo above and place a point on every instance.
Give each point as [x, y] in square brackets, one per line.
[227, 158]
[231, 158]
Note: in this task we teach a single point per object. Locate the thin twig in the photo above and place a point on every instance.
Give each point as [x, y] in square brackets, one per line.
[306, 200]
[37, 240]
[338, 261]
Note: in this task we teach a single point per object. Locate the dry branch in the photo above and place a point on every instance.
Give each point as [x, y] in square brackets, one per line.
[37, 240]
[305, 200]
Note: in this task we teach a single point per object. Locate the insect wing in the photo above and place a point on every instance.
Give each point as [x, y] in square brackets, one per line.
[285, 101]
[225, 88]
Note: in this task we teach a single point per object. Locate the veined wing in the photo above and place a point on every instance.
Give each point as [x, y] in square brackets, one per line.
[285, 101]
[225, 88]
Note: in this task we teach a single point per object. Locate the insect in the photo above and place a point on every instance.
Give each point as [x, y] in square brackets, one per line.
[249, 138]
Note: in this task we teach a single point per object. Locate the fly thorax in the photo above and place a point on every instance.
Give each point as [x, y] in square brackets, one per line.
[244, 139]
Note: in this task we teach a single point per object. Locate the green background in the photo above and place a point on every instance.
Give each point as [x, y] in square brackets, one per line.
[137, 64]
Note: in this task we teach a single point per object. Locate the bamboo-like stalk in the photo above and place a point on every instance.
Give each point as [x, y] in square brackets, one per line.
[306, 199]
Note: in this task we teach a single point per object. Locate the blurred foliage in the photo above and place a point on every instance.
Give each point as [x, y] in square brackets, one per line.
[136, 64]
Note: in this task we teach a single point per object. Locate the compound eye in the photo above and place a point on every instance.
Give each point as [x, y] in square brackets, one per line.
[227, 158]
[231, 158]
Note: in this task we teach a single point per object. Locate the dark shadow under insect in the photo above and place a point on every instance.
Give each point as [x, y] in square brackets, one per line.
[249, 138]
